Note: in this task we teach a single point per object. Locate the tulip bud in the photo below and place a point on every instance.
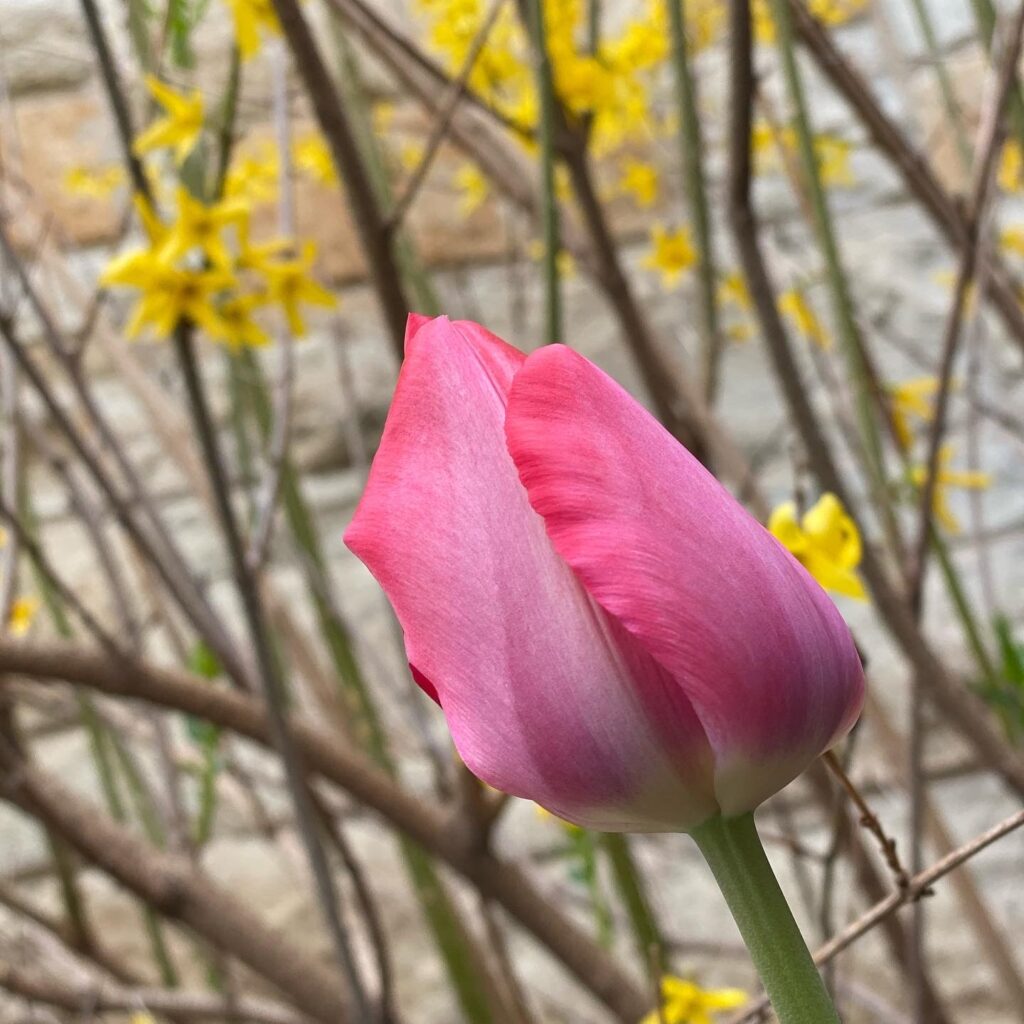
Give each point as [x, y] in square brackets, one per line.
[608, 632]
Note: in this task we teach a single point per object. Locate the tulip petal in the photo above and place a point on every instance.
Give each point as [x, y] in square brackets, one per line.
[542, 692]
[760, 650]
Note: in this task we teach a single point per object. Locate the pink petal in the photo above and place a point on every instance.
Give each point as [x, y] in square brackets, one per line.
[542, 692]
[762, 653]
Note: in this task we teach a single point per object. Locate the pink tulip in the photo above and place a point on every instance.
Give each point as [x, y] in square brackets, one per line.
[608, 632]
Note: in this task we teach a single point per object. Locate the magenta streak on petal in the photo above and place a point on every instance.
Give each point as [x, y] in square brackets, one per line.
[757, 646]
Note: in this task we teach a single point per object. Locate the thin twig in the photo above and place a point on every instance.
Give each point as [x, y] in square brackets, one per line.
[916, 887]
[990, 144]
[918, 176]
[362, 201]
[107, 998]
[443, 120]
[868, 819]
[498, 880]
[269, 671]
[277, 450]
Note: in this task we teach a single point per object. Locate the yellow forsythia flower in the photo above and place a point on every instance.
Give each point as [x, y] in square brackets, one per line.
[683, 1002]
[640, 180]
[313, 156]
[200, 226]
[242, 330]
[671, 253]
[793, 305]
[23, 613]
[733, 288]
[181, 125]
[252, 18]
[1012, 239]
[1011, 167]
[96, 183]
[825, 541]
[566, 263]
[473, 187]
[944, 478]
[910, 400]
[254, 178]
[290, 285]
[169, 295]
[410, 155]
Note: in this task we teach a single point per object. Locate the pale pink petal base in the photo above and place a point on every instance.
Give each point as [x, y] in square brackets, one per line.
[752, 641]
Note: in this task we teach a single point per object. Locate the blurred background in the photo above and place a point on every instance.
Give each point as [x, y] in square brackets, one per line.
[794, 230]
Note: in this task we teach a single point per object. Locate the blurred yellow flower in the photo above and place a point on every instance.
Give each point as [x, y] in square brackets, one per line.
[473, 188]
[837, 12]
[1012, 239]
[254, 178]
[1011, 167]
[383, 116]
[252, 18]
[793, 305]
[260, 257]
[833, 154]
[200, 226]
[169, 295]
[410, 154]
[95, 182]
[830, 12]
[732, 291]
[290, 285]
[242, 330]
[683, 1002]
[825, 541]
[831, 151]
[565, 262]
[671, 253]
[944, 478]
[639, 179]
[181, 125]
[733, 288]
[313, 156]
[910, 400]
[22, 615]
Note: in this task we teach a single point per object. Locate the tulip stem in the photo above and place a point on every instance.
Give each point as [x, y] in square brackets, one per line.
[733, 850]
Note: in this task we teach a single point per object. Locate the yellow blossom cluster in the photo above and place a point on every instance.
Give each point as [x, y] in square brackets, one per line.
[608, 81]
[203, 267]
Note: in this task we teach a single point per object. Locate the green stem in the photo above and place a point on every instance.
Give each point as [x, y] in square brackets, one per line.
[691, 150]
[954, 115]
[839, 289]
[357, 101]
[549, 200]
[733, 850]
[629, 881]
[453, 939]
[964, 610]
